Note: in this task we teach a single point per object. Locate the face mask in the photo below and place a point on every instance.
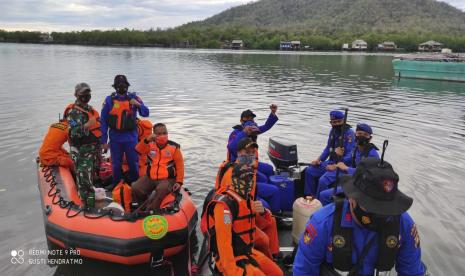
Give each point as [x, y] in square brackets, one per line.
[121, 90]
[362, 140]
[84, 98]
[247, 159]
[161, 140]
[338, 128]
[370, 221]
[242, 180]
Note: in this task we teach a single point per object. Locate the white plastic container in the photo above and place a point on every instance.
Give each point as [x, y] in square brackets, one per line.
[302, 209]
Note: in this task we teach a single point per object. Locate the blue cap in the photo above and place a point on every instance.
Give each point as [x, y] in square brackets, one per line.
[364, 127]
[336, 115]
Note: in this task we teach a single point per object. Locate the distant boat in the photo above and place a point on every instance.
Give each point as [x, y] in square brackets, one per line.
[444, 66]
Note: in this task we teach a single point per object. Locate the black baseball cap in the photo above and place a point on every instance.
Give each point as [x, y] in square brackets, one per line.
[375, 187]
[248, 113]
[245, 143]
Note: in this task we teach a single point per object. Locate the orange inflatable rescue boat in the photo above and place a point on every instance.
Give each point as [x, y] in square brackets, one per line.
[104, 234]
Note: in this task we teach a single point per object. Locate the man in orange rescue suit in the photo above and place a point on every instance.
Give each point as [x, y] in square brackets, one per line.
[119, 114]
[266, 235]
[165, 170]
[231, 225]
[52, 153]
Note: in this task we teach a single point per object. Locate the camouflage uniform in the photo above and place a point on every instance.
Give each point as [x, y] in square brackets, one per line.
[85, 151]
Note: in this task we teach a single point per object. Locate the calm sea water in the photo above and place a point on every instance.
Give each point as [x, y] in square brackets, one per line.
[200, 95]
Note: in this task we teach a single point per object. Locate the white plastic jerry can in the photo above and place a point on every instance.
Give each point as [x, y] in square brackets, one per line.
[302, 209]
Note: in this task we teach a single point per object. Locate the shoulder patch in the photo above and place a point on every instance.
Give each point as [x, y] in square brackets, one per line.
[309, 234]
[60, 126]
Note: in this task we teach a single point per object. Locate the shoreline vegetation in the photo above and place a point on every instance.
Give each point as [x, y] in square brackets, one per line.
[215, 38]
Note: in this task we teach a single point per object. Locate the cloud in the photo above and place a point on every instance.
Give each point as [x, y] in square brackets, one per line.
[61, 15]
[456, 3]
[106, 14]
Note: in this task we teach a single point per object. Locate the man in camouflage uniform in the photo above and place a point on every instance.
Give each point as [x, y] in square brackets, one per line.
[84, 139]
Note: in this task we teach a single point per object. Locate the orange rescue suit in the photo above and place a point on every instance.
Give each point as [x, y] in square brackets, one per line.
[231, 227]
[163, 163]
[51, 151]
[267, 240]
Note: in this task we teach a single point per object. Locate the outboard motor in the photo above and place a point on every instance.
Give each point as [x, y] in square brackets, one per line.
[282, 153]
[288, 176]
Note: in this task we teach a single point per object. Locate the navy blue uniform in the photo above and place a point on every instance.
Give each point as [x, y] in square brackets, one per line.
[324, 192]
[326, 158]
[122, 142]
[315, 245]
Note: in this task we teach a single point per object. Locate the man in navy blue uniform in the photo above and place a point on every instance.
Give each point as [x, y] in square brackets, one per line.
[364, 149]
[332, 152]
[249, 128]
[369, 231]
[119, 114]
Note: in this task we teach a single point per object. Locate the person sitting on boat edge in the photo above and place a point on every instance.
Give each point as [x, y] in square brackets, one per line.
[51, 152]
[119, 113]
[331, 153]
[84, 139]
[165, 170]
[363, 150]
[230, 222]
[369, 231]
[266, 235]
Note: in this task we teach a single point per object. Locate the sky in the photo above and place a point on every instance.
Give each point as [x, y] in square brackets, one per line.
[75, 15]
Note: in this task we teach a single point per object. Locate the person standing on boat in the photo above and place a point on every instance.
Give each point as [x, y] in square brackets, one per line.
[119, 114]
[363, 150]
[165, 170]
[84, 139]
[249, 128]
[368, 231]
[231, 224]
[331, 153]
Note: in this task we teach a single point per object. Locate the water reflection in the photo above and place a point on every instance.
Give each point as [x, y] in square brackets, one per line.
[429, 85]
[200, 95]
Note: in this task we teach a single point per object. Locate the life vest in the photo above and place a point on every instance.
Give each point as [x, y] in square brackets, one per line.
[52, 146]
[388, 242]
[243, 224]
[94, 131]
[364, 154]
[122, 194]
[121, 116]
[160, 161]
[224, 178]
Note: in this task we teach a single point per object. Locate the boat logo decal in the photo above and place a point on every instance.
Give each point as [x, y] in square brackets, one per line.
[155, 227]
